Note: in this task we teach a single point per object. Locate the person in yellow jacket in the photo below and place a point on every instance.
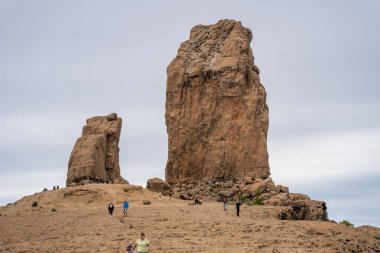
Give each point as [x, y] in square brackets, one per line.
[142, 244]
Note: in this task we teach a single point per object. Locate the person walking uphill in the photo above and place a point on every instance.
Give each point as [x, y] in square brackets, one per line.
[142, 244]
[111, 207]
[125, 208]
[238, 204]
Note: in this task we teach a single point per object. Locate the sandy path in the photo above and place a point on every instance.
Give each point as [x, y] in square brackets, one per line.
[81, 224]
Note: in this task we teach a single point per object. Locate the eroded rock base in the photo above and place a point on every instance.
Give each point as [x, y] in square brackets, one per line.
[254, 192]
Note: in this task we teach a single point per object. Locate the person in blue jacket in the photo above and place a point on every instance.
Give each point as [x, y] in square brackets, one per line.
[125, 208]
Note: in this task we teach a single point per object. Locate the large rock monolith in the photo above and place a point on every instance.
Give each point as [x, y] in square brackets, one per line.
[216, 111]
[95, 157]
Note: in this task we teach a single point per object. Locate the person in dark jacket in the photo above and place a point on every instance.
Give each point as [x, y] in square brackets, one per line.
[111, 207]
[238, 204]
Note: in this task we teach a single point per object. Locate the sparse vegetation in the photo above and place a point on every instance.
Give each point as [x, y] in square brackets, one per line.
[230, 203]
[34, 204]
[53, 210]
[377, 237]
[249, 202]
[258, 200]
[347, 223]
[241, 199]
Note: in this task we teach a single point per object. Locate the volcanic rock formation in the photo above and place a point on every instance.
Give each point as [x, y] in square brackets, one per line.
[216, 111]
[217, 122]
[95, 157]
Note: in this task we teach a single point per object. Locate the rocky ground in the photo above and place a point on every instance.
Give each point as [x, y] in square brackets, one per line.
[76, 220]
[251, 191]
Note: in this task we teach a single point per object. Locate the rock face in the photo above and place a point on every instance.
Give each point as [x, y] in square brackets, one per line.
[216, 111]
[95, 157]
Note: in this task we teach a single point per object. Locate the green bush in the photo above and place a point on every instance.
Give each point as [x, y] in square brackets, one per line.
[347, 223]
[377, 237]
[249, 202]
[258, 200]
[34, 204]
[241, 199]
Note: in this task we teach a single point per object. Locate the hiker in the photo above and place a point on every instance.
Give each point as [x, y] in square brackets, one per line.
[160, 195]
[142, 244]
[225, 203]
[238, 204]
[53, 187]
[57, 187]
[130, 249]
[125, 208]
[111, 207]
[170, 195]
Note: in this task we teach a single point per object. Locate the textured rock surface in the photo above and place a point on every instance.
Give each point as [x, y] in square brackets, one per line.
[255, 192]
[158, 185]
[95, 157]
[216, 112]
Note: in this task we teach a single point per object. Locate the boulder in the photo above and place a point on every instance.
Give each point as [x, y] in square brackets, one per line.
[227, 192]
[284, 189]
[299, 207]
[95, 156]
[158, 185]
[185, 196]
[216, 112]
[248, 180]
[146, 202]
[261, 186]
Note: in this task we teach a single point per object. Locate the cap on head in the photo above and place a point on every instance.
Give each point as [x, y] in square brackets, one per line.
[142, 234]
[129, 246]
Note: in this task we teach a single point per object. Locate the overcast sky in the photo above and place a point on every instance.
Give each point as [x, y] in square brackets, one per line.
[64, 61]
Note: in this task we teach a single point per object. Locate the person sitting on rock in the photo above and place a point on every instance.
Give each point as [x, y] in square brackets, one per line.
[197, 201]
[111, 207]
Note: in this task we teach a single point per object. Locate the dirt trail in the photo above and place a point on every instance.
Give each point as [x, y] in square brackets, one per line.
[76, 220]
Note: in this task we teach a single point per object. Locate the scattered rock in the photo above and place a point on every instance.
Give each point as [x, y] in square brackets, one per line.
[185, 196]
[284, 189]
[95, 157]
[248, 180]
[299, 207]
[146, 202]
[261, 186]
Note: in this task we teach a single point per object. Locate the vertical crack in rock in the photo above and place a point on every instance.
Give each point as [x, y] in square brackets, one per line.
[216, 112]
